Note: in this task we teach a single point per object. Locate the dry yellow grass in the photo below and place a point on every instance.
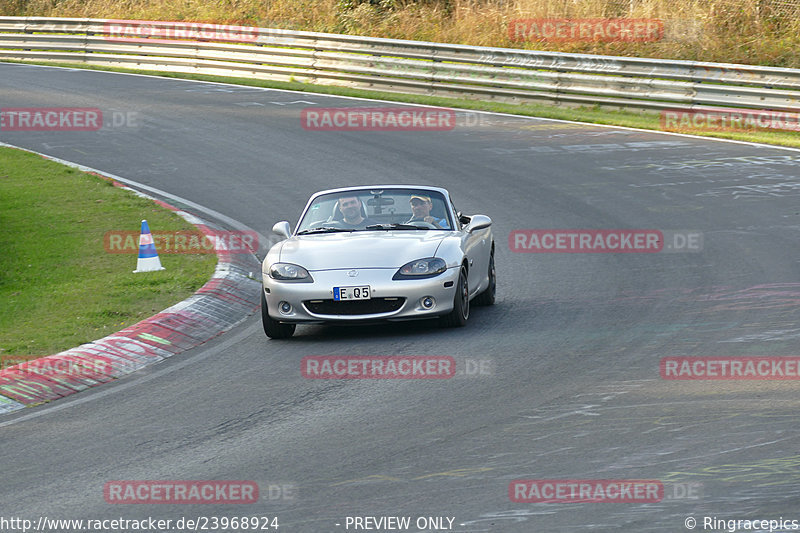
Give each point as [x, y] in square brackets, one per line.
[764, 32]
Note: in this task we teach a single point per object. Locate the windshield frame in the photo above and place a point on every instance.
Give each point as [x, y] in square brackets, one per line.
[439, 198]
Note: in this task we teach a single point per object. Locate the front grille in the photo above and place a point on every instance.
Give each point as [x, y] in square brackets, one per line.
[354, 307]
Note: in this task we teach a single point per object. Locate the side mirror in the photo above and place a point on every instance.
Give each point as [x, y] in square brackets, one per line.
[282, 228]
[478, 222]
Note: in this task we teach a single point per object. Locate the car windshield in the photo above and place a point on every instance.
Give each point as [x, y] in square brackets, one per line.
[377, 210]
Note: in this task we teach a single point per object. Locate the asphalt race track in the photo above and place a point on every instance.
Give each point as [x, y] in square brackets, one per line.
[571, 387]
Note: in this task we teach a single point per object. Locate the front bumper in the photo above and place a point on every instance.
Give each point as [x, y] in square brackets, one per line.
[390, 299]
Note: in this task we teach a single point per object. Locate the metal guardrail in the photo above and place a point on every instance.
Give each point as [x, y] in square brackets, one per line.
[436, 69]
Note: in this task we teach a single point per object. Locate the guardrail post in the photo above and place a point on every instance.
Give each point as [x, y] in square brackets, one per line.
[316, 48]
[27, 31]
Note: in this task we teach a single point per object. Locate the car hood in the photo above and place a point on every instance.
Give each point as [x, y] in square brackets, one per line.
[368, 249]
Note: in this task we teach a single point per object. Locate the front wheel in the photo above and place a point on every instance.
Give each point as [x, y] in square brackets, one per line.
[273, 328]
[460, 313]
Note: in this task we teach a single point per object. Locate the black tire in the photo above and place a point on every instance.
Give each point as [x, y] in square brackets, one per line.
[273, 328]
[460, 313]
[487, 297]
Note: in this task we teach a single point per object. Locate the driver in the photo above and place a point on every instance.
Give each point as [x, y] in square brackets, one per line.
[421, 212]
[350, 207]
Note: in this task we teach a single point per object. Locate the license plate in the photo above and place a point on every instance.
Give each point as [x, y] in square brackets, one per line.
[351, 293]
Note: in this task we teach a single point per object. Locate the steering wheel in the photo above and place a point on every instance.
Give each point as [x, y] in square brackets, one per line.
[325, 224]
[421, 223]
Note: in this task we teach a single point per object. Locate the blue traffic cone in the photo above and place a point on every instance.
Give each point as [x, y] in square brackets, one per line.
[148, 256]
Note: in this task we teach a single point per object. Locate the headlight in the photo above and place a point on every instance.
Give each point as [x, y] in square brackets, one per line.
[421, 268]
[289, 272]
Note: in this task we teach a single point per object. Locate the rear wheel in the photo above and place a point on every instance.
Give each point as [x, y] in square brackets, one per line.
[460, 313]
[487, 296]
[273, 328]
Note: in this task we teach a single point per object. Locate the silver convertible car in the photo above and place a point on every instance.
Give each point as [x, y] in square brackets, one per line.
[377, 253]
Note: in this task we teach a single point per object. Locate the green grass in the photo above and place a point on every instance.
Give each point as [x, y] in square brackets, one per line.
[58, 286]
[594, 115]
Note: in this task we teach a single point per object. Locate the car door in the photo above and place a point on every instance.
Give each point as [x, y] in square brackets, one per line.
[476, 247]
[479, 244]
